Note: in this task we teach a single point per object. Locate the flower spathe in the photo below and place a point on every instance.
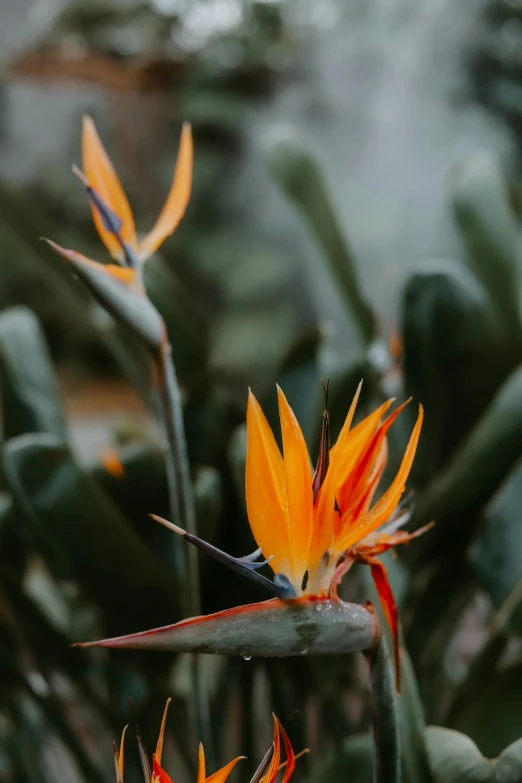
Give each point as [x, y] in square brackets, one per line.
[266, 773]
[111, 210]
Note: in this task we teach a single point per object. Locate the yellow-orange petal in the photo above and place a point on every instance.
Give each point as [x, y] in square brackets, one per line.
[177, 199]
[324, 511]
[299, 493]
[101, 175]
[122, 273]
[388, 502]
[354, 486]
[265, 489]
[119, 756]
[222, 774]
[273, 767]
[159, 745]
[201, 764]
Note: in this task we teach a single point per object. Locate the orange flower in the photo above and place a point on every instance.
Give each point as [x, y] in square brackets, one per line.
[309, 527]
[266, 773]
[111, 211]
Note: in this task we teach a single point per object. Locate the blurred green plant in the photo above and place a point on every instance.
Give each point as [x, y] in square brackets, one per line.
[79, 558]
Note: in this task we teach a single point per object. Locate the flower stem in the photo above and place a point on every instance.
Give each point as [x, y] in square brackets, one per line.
[182, 509]
[385, 718]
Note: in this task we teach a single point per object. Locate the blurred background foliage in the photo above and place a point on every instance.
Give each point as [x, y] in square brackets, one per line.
[355, 213]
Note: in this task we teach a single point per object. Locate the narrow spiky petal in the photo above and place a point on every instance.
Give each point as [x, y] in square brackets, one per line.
[290, 756]
[222, 774]
[201, 764]
[119, 756]
[101, 175]
[355, 484]
[326, 501]
[265, 489]
[273, 768]
[159, 745]
[386, 505]
[177, 200]
[298, 479]
[389, 607]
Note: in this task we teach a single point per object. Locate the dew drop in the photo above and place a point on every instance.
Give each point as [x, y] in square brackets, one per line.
[247, 657]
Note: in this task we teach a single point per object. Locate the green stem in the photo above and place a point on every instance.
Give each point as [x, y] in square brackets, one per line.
[181, 500]
[385, 717]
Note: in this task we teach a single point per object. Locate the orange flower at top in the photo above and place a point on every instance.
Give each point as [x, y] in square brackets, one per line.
[266, 773]
[101, 176]
[111, 211]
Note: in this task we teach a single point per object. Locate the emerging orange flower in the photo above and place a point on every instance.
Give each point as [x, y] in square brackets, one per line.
[111, 211]
[266, 772]
[311, 527]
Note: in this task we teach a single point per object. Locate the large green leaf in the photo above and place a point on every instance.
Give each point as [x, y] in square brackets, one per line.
[492, 716]
[298, 174]
[100, 548]
[452, 343]
[411, 720]
[477, 469]
[481, 205]
[454, 758]
[30, 398]
[497, 550]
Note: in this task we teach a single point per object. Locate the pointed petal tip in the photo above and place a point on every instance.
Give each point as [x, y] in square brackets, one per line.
[169, 525]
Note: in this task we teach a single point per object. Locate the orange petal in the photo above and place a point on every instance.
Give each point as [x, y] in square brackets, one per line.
[388, 502]
[123, 273]
[119, 755]
[265, 490]
[159, 746]
[299, 494]
[177, 200]
[273, 769]
[355, 485]
[112, 463]
[324, 511]
[158, 773]
[222, 774]
[102, 177]
[389, 607]
[290, 756]
[201, 764]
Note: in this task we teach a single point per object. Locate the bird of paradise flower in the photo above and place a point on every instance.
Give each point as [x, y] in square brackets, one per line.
[266, 772]
[311, 527]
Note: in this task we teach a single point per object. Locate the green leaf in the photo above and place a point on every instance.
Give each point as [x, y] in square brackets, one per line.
[411, 720]
[483, 213]
[473, 475]
[492, 716]
[385, 716]
[102, 551]
[30, 397]
[351, 762]
[454, 758]
[452, 343]
[298, 174]
[497, 550]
